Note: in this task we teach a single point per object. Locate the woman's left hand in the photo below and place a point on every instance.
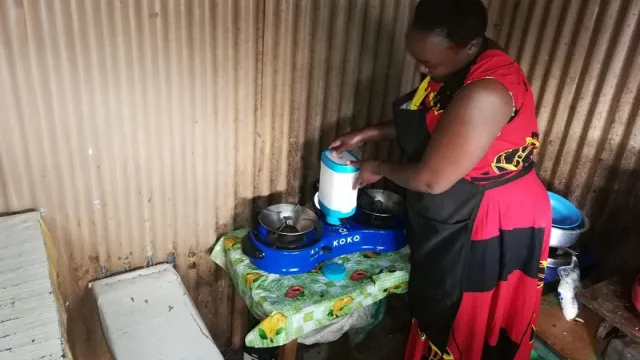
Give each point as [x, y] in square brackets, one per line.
[368, 173]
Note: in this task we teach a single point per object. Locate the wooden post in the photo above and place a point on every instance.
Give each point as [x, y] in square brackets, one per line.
[238, 322]
[288, 350]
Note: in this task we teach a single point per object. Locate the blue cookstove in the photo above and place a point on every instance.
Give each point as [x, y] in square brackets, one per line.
[291, 239]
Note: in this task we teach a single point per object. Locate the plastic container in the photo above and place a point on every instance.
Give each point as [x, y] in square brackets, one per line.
[334, 271]
[564, 214]
[336, 197]
[569, 286]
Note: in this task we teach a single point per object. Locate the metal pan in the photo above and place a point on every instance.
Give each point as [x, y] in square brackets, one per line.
[564, 238]
[380, 202]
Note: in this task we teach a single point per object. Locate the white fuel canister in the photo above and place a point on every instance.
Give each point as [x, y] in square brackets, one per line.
[337, 198]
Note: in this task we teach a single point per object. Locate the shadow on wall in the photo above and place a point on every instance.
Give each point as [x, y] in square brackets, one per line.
[254, 206]
[232, 334]
[615, 213]
[84, 330]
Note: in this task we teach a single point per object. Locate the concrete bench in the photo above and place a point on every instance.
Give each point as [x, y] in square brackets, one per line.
[148, 314]
[30, 324]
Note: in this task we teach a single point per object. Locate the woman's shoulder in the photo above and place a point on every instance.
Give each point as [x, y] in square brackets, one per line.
[496, 64]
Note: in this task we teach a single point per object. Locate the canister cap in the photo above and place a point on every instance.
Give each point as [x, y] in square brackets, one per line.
[334, 271]
[338, 162]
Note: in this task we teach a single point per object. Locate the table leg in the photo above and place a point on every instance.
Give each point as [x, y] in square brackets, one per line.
[239, 316]
[288, 350]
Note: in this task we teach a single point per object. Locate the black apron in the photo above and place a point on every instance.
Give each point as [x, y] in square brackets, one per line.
[439, 226]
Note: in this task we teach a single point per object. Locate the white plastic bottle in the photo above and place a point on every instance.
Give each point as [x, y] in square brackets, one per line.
[336, 195]
[569, 285]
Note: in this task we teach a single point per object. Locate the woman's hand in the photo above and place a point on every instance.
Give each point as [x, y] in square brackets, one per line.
[369, 173]
[348, 141]
[351, 140]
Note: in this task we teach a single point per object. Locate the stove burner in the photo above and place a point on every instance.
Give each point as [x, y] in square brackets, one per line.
[289, 229]
[375, 222]
[379, 209]
[374, 206]
[380, 202]
[287, 226]
[294, 218]
[289, 239]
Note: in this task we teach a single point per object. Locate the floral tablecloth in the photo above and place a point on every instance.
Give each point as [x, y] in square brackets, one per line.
[291, 306]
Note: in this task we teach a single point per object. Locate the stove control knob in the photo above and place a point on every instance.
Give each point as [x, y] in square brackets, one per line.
[327, 249]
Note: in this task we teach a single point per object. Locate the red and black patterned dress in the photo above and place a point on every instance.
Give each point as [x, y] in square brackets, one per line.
[478, 250]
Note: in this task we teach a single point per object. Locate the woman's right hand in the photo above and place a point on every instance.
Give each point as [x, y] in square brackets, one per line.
[351, 140]
[348, 141]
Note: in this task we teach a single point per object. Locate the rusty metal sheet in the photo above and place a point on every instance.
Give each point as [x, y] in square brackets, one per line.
[583, 62]
[145, 129]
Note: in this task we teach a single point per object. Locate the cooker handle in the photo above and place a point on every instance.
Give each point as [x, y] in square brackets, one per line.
[323, 250]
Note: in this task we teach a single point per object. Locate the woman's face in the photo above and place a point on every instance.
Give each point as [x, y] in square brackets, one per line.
[436, 56]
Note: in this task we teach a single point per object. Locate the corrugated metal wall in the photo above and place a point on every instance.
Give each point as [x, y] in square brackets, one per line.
[147, 128]
[583, 61]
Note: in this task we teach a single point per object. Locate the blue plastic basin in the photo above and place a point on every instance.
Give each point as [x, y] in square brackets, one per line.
[564, 214]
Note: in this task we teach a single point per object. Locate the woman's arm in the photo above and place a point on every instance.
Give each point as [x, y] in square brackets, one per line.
[381, 131]
[465, 132]
[351, 140]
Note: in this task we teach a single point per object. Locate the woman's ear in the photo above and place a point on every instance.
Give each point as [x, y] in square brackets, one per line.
[473, 46]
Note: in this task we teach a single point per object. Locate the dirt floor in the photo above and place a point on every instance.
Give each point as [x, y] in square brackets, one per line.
[385, 341]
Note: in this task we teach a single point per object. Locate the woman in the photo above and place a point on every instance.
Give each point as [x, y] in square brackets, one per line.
[479, 217]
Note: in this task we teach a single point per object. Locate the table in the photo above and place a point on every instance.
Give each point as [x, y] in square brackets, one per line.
[290, 306]
[611, 300]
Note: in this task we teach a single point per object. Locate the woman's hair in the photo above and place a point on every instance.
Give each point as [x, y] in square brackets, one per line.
[459, 21]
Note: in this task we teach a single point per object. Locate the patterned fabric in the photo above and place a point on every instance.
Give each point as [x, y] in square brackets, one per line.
[509, 238]
[501, 297]
[518, 141]
[291, 306]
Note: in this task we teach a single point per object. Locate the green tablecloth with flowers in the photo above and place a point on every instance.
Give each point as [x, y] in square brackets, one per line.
[290, 306]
